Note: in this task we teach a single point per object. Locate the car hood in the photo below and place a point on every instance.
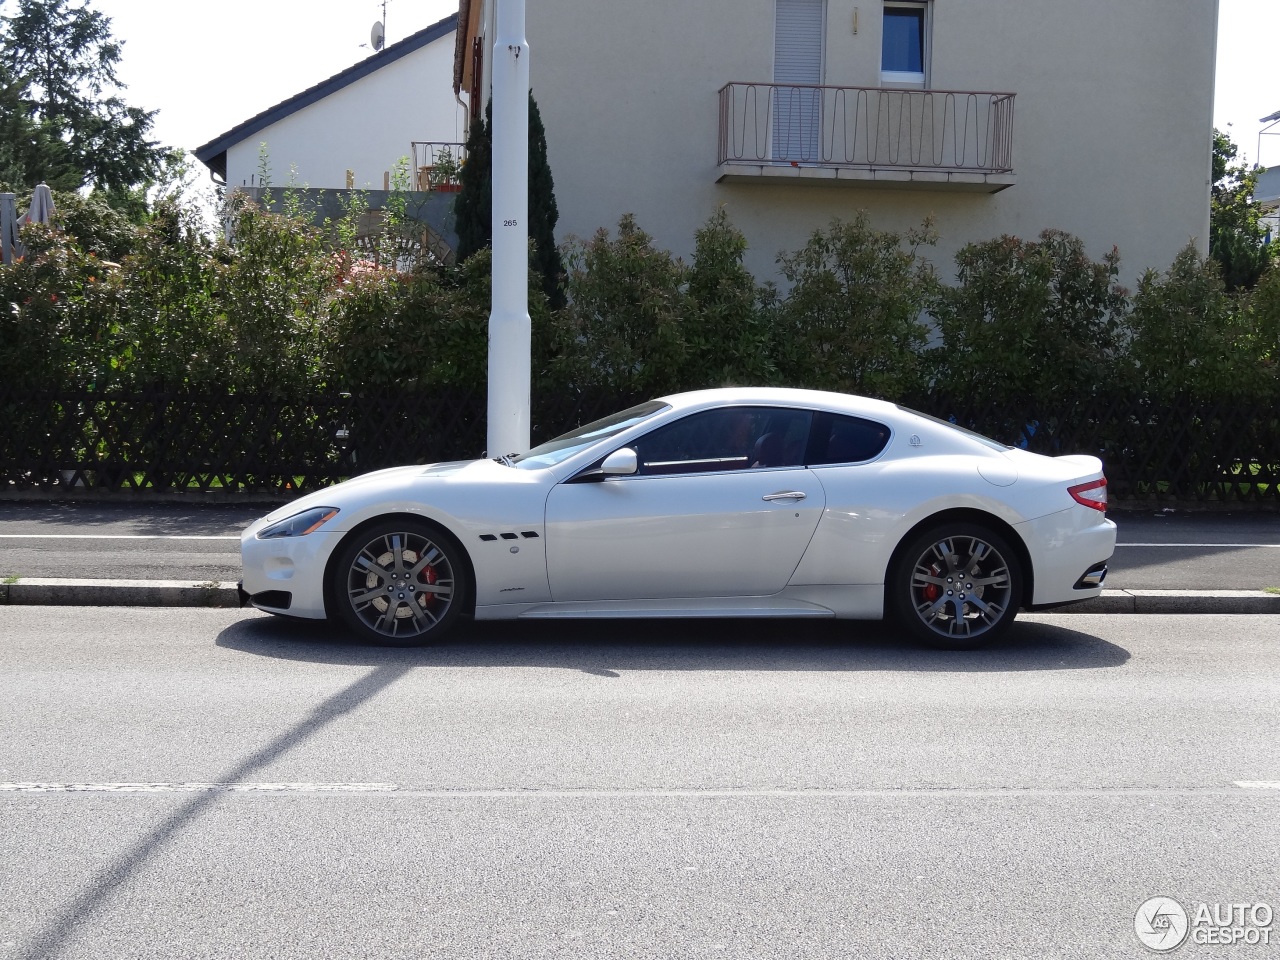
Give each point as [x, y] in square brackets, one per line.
[386, 481]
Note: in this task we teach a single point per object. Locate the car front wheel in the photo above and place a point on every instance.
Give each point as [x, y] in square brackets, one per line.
[957, 586]
[400, 583]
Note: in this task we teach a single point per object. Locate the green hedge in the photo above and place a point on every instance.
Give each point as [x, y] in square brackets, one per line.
[284, 310]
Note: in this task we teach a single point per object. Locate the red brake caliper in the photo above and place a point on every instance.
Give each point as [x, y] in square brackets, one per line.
[428, 576]
[931, 590]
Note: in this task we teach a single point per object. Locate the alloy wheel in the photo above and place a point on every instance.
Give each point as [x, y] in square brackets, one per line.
[399, 584]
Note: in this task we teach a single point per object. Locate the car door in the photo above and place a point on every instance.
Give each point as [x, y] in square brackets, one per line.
[721, 505]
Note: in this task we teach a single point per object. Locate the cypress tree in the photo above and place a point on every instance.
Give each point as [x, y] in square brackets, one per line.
[473, 211]
[473, 208]
[543, 212]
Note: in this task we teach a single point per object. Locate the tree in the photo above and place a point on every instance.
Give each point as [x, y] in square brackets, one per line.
[852, 321]
[58, 71]
[473, 212]
[728, 326]
[1034, 319]
[543, 212]
[473, 209]
[1237, 239]
[1189, 337]
[624, 324]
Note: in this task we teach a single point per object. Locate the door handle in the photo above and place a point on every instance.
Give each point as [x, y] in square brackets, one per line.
[784, 495]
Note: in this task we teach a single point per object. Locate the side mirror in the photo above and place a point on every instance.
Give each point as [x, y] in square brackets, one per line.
[620, 463]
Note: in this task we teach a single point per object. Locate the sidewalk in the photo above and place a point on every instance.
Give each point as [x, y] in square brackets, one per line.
[165, 555]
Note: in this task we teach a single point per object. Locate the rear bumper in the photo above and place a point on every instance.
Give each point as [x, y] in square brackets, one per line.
[1089, 585]
[1068, 549]
[1093, 577]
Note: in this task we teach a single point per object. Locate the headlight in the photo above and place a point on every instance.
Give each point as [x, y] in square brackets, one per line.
[300, 524]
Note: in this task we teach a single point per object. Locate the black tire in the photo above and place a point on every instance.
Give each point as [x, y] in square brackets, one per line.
[957, 586]
[400, 583]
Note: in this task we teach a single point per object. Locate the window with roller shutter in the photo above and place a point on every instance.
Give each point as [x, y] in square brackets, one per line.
[798, 44]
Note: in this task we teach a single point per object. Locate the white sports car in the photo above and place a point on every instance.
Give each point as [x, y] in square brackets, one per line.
[720, 503]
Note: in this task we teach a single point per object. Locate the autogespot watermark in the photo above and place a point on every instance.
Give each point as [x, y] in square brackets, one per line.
[1163, 924]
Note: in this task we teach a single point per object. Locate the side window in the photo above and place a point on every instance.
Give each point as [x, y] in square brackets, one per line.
[737, 438]
[904, 46]
[839, 439]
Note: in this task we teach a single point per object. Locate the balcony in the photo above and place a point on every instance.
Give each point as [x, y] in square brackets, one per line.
[866, 136]
[437, 165]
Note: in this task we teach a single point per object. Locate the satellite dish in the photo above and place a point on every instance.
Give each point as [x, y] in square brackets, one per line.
[377, 36]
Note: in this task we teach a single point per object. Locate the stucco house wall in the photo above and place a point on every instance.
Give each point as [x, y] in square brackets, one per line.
[362, 120]
[1111, 136]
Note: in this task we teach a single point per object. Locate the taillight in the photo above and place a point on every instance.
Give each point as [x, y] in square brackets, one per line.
[1092, 494]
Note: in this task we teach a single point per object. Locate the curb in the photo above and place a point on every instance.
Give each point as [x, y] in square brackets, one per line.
[119, 593]
[1177, 601]
[189, 593]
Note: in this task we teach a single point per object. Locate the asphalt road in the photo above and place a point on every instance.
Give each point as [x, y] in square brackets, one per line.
[120, 541]
[217, 784]
[165, 542]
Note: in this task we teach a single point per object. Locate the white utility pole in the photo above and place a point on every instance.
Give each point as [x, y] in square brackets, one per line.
[510, 354]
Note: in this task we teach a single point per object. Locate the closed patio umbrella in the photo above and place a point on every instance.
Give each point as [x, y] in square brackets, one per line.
[41, 208]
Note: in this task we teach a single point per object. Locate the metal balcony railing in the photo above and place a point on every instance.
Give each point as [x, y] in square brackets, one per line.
[436, 164]
[867, 127]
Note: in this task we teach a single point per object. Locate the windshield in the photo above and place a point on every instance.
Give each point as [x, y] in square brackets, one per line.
[565, 446]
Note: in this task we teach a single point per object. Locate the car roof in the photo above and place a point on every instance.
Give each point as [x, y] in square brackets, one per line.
[782, 396]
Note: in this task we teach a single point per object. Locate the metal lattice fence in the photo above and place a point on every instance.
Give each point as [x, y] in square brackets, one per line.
[1160, 451]
[244, 444]
[1178, 452]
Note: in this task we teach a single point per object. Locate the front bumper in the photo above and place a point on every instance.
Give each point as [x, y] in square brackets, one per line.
[286, 575]
[273, 601]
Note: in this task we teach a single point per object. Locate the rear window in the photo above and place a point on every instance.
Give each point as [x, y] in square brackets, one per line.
[839, 439]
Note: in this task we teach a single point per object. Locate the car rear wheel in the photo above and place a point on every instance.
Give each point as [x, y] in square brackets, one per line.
[957, 586]
[400, 583]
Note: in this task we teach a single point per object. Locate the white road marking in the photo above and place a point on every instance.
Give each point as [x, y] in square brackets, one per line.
[111, 536]
[36, 787]
[1262, 546]
[709, 793]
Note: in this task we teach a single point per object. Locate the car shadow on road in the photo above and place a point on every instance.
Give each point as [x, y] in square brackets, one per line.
[607, 648]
